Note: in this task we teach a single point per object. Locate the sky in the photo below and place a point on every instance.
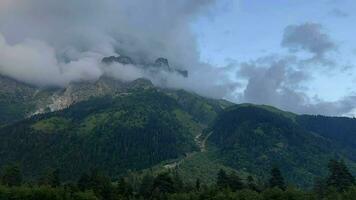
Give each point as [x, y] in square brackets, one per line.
[296, 55]
[243, 31]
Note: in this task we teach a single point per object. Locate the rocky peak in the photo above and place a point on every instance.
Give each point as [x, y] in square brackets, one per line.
[125, 60]
[163, 64]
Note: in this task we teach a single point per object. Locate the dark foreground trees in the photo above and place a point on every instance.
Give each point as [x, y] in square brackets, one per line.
[338, 185]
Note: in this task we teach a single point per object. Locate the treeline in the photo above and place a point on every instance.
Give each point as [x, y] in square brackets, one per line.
[338, 185]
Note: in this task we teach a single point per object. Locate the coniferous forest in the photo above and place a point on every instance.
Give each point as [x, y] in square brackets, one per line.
[94, 185]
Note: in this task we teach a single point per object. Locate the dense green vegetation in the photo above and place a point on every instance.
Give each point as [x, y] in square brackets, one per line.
[254, 138]
[339, 130]
[133, 131]
[339, 184]
[138, 128]
[202, 109]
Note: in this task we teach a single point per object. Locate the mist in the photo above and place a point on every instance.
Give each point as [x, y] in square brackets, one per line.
[53, 43]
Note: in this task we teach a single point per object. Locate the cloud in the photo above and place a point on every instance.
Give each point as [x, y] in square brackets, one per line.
[277, 81]
[273, 82]
[309, 37]
[52, 43]
[338, 13]
[144, 29]
[35, 62]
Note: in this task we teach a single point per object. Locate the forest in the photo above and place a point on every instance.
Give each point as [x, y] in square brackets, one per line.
[339, 184]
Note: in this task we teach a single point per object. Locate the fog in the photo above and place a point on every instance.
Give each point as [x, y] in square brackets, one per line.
[52, 43]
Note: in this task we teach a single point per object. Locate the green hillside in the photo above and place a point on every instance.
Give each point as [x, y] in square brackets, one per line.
[256, 138]
[120, 127]
[132, 131]
[14, 100]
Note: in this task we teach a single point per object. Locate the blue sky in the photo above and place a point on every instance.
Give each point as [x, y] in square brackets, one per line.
[241, 31]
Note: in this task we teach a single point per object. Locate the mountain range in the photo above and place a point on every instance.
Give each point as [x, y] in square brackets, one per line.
[121, 127]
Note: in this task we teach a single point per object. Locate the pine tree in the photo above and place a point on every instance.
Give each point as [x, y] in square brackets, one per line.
[340, 177]
[50, 178]
[146, 186]
[197, 185]
[12, 176]
[124, 188]
[251, 184]
[84, 182]
[164, 183]
[277, 179]
[319, 187]
[235, 182]
[222, 179]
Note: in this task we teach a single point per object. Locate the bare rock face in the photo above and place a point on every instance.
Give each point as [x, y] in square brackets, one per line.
[163, 64]
[81, 91]
[160, 64]
[125, 60]
[19, 100]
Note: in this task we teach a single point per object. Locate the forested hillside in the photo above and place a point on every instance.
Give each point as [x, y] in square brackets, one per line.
[120, 128]
[255, 138]
[132, 131]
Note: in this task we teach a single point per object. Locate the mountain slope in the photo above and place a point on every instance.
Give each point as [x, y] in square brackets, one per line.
[17, 100]
[255, 138]
[117, 126]
[339, 130]
[132, 131]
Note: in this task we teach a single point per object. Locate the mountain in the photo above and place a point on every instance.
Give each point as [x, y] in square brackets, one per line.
[113, 134]
[256, 138]
[19, 100]
[117, 126]
[339, 130]
[161, 64]
[108, 124]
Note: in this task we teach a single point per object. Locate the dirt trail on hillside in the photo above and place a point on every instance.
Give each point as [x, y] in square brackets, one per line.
[200, 141]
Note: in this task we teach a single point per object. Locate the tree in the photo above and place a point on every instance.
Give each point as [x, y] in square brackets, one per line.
[50, 178]
[235, 182]
[319, 187]
[340, 177]
[276, 179]
[197, 185]
[146, 186]
[124, 188]
[97, 182]
[84, 182]
[12, 176]
[251, 184]
[222, 180]
[164, 183]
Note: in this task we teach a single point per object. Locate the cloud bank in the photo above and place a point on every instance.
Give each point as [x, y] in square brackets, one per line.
[52, 43]
[282, 80]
